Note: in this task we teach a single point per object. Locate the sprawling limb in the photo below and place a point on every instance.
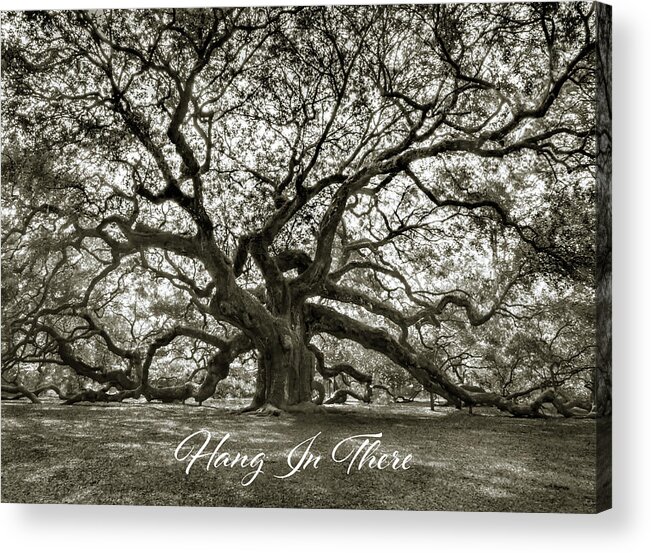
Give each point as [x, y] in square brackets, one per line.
[323, 319]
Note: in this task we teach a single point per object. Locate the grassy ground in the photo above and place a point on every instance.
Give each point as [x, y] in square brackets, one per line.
[124, 454]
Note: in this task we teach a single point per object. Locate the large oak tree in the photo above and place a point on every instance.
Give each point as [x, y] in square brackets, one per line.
[182, 188]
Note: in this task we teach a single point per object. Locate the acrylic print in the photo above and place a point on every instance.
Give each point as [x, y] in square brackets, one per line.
[327, 257]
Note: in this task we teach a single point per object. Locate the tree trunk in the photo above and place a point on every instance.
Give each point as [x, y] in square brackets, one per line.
[285, 376]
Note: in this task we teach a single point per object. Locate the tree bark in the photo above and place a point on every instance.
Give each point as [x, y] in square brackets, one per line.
[286, 368]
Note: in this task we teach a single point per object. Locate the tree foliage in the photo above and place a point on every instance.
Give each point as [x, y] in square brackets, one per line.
[182, 188]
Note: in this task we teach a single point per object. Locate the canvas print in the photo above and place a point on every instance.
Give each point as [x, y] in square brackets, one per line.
[349, 257]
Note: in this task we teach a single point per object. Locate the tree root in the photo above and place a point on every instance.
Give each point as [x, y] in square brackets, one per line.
[267, 410]
[264, 410]
[250, 408]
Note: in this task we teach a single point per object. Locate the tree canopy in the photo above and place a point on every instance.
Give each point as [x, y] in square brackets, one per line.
[290, 188]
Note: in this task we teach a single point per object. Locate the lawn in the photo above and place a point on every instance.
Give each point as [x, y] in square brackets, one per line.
[125, 454]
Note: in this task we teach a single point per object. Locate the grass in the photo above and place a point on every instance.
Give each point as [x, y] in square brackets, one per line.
[124, 454]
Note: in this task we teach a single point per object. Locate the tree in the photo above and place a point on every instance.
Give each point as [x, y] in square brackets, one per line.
[183, 187]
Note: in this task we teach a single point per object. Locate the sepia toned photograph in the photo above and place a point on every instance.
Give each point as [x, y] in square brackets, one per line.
[324, 257]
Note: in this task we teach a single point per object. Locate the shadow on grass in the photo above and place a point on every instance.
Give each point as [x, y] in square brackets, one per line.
[124, 454]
